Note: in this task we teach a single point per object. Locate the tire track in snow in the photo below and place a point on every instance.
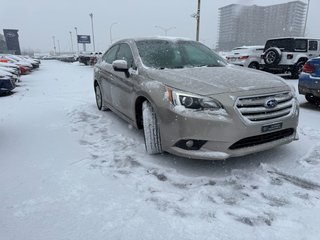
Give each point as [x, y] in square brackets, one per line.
[238, 196]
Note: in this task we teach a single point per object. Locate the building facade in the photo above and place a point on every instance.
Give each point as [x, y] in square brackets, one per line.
[252, 25]
[3, 45]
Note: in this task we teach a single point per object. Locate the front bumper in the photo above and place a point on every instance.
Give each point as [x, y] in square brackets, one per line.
[309, 85]
[7, 84]
[220, 133]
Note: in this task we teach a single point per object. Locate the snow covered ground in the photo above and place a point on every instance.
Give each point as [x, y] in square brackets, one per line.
[69, 171]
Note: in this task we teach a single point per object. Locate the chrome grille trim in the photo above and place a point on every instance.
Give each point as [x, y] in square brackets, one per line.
[252, 109]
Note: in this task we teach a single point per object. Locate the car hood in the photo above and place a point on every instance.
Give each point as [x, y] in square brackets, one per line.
[216, 80]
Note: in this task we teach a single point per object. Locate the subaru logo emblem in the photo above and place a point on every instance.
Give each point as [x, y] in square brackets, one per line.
[271, 103]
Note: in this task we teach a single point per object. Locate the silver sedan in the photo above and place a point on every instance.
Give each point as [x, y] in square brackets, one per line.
[190, 102]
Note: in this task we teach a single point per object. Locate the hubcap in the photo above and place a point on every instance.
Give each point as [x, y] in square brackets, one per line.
[271, 57]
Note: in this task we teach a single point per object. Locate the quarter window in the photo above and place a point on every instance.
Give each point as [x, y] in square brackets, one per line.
[313, 45]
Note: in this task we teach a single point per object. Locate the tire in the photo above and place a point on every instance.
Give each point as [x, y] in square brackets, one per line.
[151, 129]
[272, 57]
[297, 69]
[254, 65]
[99, 99]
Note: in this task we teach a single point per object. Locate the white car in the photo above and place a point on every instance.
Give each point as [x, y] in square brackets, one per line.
[246, 56]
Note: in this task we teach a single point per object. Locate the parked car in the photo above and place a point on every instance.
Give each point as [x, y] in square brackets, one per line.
[309, 81]
[7, 84]
[246, 56]
[289, 54]
[89, 58]
[190, 102]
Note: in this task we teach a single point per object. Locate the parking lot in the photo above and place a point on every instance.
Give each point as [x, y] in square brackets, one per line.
[70, 171]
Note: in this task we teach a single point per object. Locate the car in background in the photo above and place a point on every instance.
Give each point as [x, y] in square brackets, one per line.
[246, 56]
[25, 67]
[190, 102]
[89, 58]
[309, 81]
[7, 84]
[283, 55]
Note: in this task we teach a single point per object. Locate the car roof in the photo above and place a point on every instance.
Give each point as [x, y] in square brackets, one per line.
[305, 38]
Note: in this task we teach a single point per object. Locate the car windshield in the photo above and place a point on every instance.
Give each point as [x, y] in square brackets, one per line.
[161, 54]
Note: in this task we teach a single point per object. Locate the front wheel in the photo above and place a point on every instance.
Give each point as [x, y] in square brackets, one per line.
[99, 99]
[151, 129]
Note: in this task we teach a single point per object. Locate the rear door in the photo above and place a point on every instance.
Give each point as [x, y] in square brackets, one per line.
[106, 72]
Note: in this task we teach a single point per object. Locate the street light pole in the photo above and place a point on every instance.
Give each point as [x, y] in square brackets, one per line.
[71, 42]
[306, 20]
[77, 40]
[54, 45]
[165, 30]
[94, 45]
[110, 29]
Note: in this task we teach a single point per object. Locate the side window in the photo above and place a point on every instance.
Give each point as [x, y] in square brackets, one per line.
[125, 53]
[313, 45]
[110, 56]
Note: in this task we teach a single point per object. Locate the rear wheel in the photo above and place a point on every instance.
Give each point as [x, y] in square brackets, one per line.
[254, 65]
[151, 129]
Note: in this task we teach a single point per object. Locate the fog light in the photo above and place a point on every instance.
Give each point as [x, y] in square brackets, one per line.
[190, 144]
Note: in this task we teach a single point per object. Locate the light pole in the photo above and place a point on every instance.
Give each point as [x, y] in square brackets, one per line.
[94, 45]
[110, 29]
[305, 22]
[197, 16]
[165, 30]
[75, 28]
[71, 42]
[59, 51]
[54, 45]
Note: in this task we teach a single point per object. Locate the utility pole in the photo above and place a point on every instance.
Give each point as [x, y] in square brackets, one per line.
[54, 45]
[198, 20]
[94, 45]
[305, 22]
[71, 42]
[77, 40]
[197, 16]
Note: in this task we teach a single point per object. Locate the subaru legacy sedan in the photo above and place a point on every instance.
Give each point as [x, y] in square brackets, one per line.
[191, 103]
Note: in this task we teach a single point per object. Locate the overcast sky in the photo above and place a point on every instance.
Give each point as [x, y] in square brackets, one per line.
[39, 20]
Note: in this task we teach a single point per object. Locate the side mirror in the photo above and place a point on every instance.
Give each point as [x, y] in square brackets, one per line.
[120, 66]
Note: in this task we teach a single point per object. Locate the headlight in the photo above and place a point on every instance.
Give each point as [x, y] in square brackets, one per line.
[191, 101]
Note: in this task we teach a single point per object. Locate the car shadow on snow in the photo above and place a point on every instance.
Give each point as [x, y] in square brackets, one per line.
[7, 93]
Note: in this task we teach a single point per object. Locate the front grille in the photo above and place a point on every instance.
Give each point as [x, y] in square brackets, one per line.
[261, 139]
[254, 108]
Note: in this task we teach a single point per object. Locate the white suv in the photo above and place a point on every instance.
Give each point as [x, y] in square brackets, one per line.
[289, 54]
[246, 56]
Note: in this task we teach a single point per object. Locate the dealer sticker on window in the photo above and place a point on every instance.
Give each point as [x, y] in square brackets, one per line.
[271, 127]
